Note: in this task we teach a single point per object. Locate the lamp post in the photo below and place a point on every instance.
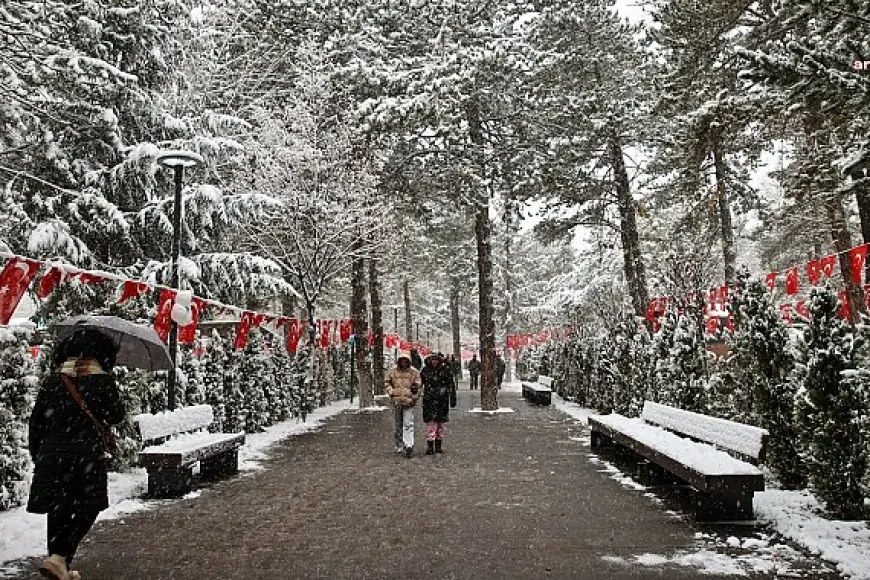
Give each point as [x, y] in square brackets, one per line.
[177, 161]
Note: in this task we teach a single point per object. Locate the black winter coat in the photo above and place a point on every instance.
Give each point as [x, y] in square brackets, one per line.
[439, 392]
[66, 449]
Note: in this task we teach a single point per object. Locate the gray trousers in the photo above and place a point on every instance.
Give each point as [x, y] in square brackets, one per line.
[404, 432]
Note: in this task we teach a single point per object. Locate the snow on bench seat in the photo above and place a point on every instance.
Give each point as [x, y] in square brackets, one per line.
[182, 444]
[537, 388]
[189, 448]
[744, 439]
[169, 423]
[699, 457]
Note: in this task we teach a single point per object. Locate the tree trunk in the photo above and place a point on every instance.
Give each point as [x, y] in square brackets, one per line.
[507, 315]
[406, 296]
[361, 331]
[862, 196]
[377, 328]
[729, 257]
[635, 275]
[454, 319]
[842, 243]
[483, 239]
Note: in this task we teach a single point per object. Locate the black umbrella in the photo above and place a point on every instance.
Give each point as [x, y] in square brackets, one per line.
[138, 346]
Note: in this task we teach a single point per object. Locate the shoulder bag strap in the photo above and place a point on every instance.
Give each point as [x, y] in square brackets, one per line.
[101, 428]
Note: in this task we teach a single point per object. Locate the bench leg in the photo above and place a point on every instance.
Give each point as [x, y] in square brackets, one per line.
[220, 466]
[598, 440]
[723, 507]
[169, 482]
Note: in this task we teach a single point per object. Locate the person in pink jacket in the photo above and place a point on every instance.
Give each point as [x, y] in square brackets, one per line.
[403, 386]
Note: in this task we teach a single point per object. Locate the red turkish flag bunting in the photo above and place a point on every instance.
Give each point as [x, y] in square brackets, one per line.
[770, 280]
[844, 310]
[14, 282]
[248, 321]
[729, 324]
[187, 334]
[785, 310]
[857, 258]
[814, 271]
[828, 264]
[791, 281]
[294, 333]
[89, 278]
[346, 329]
[391, 341]
[164, 314]
[802, 309]
[723, 296]
[712, 325]
[49, 282]
[133, 290]
[324, 332]
[713, 296]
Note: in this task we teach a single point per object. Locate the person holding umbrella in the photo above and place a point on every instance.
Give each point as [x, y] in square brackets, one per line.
[70, 440]
[70, 479]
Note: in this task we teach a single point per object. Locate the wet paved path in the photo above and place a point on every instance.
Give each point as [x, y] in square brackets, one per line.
[513, 496]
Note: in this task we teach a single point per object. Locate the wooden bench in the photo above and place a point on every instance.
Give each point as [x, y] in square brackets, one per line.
[177, 442]
[695, 449]
[539, 392]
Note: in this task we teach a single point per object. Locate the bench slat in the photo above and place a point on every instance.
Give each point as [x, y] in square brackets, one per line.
[744, 439]
[170, 423]
[546, 381]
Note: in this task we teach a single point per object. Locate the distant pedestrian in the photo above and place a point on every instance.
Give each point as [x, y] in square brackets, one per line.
[403, 387]
[499, 370]
[416, 360]
[455, 367]
[70, 477]
[439, 396]
[474, 371]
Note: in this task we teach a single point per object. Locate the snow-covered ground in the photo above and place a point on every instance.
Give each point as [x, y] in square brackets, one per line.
[795, 515]
[22, 535]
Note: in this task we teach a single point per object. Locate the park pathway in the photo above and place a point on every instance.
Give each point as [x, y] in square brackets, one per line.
[513, 496]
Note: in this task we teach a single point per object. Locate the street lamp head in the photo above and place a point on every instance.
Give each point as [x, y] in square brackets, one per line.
[177, 158]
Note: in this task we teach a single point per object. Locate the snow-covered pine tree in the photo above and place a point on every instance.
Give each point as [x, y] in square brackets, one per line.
[662, 343]
[250, 380]
[18, 386]
[283, 383]
[213, 363]
[832, 409]
[762, 362]
[687, 363]
[235, 416]
[590, 85]
[191, 367]
[268, 363]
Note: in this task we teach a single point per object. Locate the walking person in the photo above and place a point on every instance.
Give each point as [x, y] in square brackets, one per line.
[68, 446]
[403, 386]
[416, 360]
[474, 371]
[499, 370]
[439, 396]
[456, 368]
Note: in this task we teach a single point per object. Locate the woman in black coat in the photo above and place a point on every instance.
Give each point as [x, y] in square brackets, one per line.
[439, 396]
[70, 480]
